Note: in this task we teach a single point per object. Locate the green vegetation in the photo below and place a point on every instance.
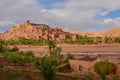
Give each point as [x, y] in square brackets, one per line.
[20, 57]
[104, 68]
[52, 45]
[7, 74]
[108, 39]
[24, 41]
[81, 40]
[69, 56]
[1, 45]
[118, 39]
[55, 51]
[14, 49]
[11, 74]
[47, 66]
[14, 56]
[90, 40]
[84, 40]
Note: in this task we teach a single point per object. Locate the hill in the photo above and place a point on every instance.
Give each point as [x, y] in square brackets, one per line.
[115, 32]
[36, 31]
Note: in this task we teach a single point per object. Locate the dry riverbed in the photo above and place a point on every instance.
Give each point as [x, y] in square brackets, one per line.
[43, 50]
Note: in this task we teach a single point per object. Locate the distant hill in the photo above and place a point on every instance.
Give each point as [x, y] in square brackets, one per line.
[36, 31]
[113, 32]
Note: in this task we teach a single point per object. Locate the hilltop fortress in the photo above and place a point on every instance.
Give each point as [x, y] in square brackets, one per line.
[36, 31]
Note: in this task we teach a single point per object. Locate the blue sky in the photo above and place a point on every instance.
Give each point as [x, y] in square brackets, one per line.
[112, 14]
[80, 15]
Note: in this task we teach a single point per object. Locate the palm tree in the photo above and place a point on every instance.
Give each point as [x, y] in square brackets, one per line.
[1, 45]
[47, 67]
[52, 45]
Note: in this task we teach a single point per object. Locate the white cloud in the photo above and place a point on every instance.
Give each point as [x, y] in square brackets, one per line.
[70, 14]
[80, 15]
[6, 23]
[115, 21]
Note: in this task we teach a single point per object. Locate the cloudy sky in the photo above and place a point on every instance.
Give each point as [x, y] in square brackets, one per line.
[81, 15]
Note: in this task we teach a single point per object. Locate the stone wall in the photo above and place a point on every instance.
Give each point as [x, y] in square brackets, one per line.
[83, 66]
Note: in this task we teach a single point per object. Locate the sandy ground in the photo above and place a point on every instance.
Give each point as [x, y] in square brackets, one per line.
[43, 50]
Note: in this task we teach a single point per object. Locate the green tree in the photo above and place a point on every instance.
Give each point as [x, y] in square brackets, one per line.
[55, 51]
[52, 45]
[117, 39]
[1, 45]
[56, 54]
[104, 68]
[47, 64]
[47, 67]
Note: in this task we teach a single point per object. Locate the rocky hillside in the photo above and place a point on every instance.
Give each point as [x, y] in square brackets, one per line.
[89, 34]
[36, 31]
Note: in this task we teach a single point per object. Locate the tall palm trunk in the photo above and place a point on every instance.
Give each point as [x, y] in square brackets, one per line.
[103, 77]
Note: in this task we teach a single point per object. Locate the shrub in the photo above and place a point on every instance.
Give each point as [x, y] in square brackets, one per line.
[18, 57]
[69, 56]
[118, 39]
[10, 74]
[103, 68]
[14, 49]
[29, 53]
[84, 40]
